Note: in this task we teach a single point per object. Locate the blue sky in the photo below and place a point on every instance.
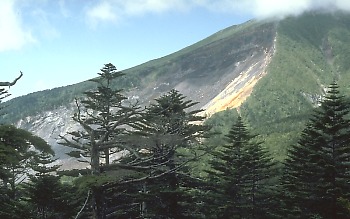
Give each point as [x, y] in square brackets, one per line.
[62, 42]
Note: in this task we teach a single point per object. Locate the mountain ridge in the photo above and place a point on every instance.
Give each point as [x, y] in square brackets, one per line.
[272, 72]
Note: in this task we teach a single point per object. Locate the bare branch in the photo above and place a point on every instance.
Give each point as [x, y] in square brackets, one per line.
[141, 179]
[75, 144]
[9, 84]
[132, 167]
[85, 203]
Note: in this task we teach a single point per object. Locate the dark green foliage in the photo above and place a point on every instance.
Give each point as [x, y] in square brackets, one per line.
[105, 117]
[311, 50]
[46, 197]
[17, 159]
[180, 129]
[239, 178]
[317, 170]
[15, 150]
[44, 192]
[169, 137]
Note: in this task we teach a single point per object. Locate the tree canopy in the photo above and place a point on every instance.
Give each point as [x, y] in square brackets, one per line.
[317, 174]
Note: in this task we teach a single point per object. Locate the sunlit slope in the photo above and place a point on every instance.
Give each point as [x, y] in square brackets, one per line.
[311, 51]
[200, 71]
[206, 69]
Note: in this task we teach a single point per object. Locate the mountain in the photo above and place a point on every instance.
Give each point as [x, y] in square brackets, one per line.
[271, 72]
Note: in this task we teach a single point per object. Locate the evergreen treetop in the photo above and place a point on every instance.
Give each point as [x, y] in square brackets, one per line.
[317, 170]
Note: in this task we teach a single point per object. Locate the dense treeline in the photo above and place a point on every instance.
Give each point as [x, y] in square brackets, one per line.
[147, 163]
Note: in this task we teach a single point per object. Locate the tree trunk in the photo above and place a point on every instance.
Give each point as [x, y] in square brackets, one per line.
[95, 171]
[107, 156]
[95, 160]
[98, 204]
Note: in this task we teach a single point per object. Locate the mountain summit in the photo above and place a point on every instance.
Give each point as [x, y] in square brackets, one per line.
[272, 72]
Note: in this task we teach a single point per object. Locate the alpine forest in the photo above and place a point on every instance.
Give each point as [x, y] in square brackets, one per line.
[252, 122]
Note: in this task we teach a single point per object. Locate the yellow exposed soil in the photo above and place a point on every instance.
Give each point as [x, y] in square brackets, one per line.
[229, 98]
[238, 90]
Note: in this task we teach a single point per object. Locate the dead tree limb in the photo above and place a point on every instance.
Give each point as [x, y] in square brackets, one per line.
[9, 84]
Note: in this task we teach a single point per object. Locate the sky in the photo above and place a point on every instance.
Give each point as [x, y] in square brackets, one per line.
[61, 42]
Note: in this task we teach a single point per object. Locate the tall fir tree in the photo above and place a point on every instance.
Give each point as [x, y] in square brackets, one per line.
[170, 136]
[317, 170]
[43, 188]
[104, 117]
[239, 177]
[18, 150]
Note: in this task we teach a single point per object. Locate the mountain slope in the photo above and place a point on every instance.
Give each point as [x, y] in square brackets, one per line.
[212, 62]
[273, 73]
[312, 50]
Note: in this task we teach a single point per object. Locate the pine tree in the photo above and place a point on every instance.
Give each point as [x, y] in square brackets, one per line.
[169, 137]
[43, 195]
[317, 170]
[43, 189]
[47, 197]
[16, 153]
[239, 177]
[105, 119]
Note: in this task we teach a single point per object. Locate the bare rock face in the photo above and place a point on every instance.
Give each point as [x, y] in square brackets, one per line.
[49, 126]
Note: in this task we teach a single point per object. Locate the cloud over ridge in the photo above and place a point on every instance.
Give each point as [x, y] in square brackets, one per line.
[16, 31]
[114, 10]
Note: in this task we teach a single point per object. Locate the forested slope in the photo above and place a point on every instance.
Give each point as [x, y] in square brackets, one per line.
[312, 50]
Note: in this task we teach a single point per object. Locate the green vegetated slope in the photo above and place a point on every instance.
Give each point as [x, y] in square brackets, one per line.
[312, 50]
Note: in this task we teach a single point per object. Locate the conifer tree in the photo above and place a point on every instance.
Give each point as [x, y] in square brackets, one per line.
[239, 177]
[42, 190]
[169, 136]
[104, 117]
[317, 170]
[16, 156]
[45, 195]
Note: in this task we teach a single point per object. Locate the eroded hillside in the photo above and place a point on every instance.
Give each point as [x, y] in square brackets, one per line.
[240, 88]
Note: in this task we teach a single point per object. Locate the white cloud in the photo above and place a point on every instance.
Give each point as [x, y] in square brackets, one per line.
[138, 7]
[12, 34]
[272, 8]
[343, 4]
[280, 8]
[283, 8]
[100, 13]
[116, 10]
